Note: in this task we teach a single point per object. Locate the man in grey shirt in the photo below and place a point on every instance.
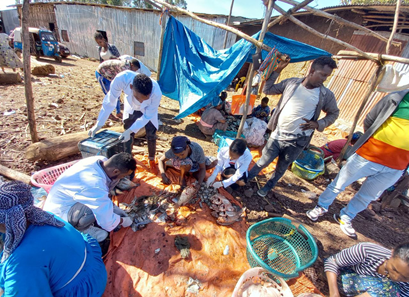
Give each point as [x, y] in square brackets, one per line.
[296, 117]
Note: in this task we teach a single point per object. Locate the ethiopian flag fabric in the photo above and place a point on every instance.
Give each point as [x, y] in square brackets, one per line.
[389, 145]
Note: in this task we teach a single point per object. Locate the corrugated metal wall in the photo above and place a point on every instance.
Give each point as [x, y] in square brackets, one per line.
[124, 27]
[350, 84]
[10, 19]
[41, 15]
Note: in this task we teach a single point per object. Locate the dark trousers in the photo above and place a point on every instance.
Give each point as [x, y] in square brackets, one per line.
[80, 216]
[228, 172]
[287, 152]
[150, 134]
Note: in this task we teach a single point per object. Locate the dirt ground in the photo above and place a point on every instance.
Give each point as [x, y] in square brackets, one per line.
[70, 102]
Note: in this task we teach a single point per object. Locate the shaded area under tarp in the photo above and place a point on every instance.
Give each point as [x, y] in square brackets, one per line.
[135, 269]
[193, 73]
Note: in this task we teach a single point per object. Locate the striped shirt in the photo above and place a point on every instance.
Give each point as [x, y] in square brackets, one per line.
[389, 145]
[364, 258]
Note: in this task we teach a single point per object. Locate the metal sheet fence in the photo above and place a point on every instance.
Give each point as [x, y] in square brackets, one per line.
[124, 27]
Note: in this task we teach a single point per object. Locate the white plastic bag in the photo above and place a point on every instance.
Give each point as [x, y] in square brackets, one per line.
[255, 131]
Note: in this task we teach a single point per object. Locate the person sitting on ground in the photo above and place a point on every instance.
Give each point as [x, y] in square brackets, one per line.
[233, 163]
[368, 269]
[80, 195]
[262, 111]
[187, 157]
[212, 119]
[334, 148]
[43, 255]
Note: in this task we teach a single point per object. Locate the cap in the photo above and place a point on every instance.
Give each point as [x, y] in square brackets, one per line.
[356, 135]
[179, 144]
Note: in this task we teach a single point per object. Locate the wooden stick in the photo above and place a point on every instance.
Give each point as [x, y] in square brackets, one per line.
[13, 174]
[214, 24]
[353, 54]
[250, 80]
[315, 32]
[228, 24]
[341, 21]
[282, 18]
[27, 71]
[376, 78]
[395, 23]
[162, 34]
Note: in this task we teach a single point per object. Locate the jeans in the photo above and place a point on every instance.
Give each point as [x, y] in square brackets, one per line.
[105, 86]
[150, 134]
[287, 152]
[378, 178]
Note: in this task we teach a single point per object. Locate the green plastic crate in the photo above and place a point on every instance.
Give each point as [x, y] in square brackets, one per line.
[280, 247]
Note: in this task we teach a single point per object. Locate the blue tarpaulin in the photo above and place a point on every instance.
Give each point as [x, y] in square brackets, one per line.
[194, 74]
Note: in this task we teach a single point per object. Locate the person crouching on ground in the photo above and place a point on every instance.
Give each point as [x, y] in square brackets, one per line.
[233, 163]
[43, 255]
[368, 269]
[187, 157]
[333, 148]
[212, 119]
[80, 195]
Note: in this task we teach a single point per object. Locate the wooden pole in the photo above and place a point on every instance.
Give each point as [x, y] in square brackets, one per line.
[254, 41]
[315, 32]
[228, 24]
[162, 34]
[267, 17]
[27, 71]
[13, 174]
[341, 21]
[376, 78]
[395, 24]
[352, 54]
[282, 18]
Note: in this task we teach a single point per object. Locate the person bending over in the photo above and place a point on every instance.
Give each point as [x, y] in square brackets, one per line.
[233, 163]
[368, 269]
[80, 195]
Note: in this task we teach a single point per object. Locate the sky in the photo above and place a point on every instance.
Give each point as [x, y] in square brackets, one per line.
[245, 8]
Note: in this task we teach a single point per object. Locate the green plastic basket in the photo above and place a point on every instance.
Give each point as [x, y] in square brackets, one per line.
[280, 247]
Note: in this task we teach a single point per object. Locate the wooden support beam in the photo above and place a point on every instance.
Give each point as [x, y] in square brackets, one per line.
[214, 24]
[13, 174]
[228, 23]
[267, 17]
[27, 71]
[341, 21]
[353, 54]
[282, 18]
[315, 32]
[395, 23]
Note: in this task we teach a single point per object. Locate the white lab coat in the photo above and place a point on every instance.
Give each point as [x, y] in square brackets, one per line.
[149, 108]
[242, 165]
[85, 182]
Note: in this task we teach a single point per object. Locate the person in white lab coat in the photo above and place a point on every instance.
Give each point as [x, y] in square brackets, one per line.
[80, 195]
[233, 163]
[141, 103]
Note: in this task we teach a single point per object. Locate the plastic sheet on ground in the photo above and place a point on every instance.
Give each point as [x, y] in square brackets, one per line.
[147, 263]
